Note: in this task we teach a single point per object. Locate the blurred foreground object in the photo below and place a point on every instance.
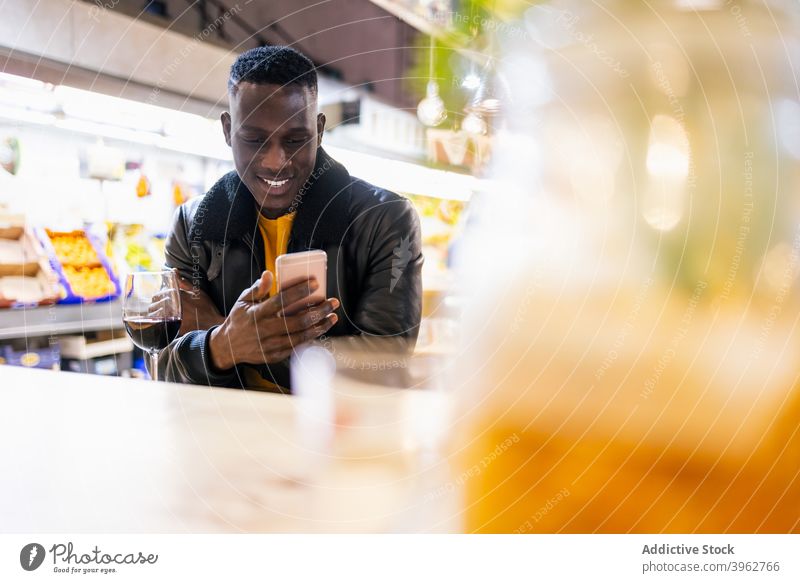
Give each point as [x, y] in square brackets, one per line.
[631, 357]
[348, 389]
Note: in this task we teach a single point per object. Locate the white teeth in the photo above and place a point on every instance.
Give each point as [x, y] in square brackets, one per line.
[275, 182]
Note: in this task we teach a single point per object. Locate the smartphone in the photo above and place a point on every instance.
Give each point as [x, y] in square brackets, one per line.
[294, 267]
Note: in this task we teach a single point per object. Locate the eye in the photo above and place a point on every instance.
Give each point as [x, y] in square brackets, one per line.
[252, 140]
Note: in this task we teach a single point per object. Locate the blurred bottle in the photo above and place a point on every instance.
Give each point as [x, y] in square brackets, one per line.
[631, 352]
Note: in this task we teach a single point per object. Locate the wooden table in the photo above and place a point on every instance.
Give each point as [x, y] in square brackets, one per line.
[82, 453]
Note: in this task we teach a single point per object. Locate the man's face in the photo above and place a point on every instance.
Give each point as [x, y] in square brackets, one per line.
[274, 132]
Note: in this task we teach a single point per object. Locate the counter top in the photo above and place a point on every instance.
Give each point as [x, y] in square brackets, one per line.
[83, 453]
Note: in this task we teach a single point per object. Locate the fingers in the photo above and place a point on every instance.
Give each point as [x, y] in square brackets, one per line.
[297, 307]
[265, 285]
[288, 342]
[293, 294]
[277, 337]
[313, 332]
[259, 291]
[273, 357]
[161, 306]
[309, 317]
[163, 294]
[292, 308]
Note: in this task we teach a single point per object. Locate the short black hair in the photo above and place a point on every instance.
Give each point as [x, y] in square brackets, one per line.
[273, 65]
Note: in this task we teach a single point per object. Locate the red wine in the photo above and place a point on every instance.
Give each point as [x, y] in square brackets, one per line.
[152, 333]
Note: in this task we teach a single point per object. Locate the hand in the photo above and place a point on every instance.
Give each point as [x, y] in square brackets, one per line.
[264, 330]
[198, 311]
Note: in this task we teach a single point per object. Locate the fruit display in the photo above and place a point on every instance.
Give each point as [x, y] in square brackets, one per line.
[440, 222]
[73, 248]
[90, 281]
[439, 217]
[133, 248]
[84, 271]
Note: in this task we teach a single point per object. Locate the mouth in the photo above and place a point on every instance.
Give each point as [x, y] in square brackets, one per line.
[276, 187]
[275, 183]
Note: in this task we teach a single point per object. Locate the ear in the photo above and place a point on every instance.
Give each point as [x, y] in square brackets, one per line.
[225, 118]
[320, 128]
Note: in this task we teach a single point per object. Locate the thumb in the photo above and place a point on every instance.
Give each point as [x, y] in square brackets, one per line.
[259, 291]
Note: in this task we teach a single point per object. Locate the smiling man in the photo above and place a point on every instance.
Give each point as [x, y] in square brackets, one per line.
[286, 195]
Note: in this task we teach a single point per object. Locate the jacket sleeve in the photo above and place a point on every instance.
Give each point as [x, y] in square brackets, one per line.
[186, 256]
[187, 359]
[190, 259]
[391, 300]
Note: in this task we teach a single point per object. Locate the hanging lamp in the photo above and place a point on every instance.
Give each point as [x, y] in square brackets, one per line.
[431, 110]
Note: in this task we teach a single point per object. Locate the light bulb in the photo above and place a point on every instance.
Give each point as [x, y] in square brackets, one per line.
[471, 82]
[474, 124]
[431, 110]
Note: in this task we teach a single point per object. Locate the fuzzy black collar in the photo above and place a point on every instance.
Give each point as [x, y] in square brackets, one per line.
[322, 211]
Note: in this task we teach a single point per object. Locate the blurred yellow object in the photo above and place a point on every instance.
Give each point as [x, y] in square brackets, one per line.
[89, 282]
[179, 195]
[630, 358]
[669, 421]
[73, 248]
[81, 264]
[142, 187]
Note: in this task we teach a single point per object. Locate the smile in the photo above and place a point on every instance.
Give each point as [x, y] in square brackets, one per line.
[274, 183]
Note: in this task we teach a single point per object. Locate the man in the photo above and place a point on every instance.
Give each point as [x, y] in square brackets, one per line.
[286, 195]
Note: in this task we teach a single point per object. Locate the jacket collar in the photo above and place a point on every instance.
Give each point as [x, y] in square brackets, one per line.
[228, 208]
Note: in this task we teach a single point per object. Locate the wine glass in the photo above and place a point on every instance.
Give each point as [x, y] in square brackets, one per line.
[151, 311]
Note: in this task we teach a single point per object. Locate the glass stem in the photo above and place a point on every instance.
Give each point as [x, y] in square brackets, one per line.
[154, 365]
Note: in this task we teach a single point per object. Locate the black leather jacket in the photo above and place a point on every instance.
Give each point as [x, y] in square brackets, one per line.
[371, 237]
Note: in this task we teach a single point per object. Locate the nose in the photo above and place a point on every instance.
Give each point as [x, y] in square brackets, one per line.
[274, 158]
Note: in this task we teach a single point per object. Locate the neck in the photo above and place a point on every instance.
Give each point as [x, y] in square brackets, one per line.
[273, 214]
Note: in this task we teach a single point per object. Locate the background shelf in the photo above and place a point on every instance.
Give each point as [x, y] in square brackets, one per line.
[60, 319]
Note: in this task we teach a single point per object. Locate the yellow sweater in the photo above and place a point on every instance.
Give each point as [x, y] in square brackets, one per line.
[275, 233]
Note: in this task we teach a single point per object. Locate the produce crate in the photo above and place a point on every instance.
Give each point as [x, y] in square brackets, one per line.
[11, 225]
[17, 254]
[83, 269]
[26, 278]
